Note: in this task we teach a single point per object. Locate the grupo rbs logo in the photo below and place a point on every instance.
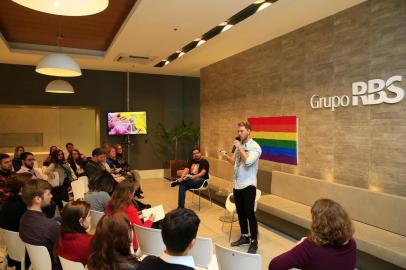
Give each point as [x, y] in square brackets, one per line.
[373, 92]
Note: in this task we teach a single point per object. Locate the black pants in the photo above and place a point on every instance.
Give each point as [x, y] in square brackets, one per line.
[245, 202]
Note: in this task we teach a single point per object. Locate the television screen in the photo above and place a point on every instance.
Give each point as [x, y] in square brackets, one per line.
[127, 123]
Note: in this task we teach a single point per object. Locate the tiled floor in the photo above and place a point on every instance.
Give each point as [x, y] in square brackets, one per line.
[271, 242]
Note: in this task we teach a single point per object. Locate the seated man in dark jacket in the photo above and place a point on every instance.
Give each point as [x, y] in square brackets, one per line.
[95, 164]
[179, 230]
[35, 228]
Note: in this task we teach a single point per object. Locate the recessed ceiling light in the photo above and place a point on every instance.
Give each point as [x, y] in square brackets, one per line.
[200, 42]
[240, 16]
[226, 27]
[263, 6]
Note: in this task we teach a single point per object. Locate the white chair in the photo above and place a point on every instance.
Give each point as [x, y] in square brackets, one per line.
[95, 216]
[204, 186]
[70, 265]
[85, 180]
[229, 259]
[231, 208]
[202, 252]
[39, 256]
[15, 247]
[78, 189]
[150, 240]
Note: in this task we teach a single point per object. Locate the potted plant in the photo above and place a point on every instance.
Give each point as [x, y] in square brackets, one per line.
[175, 136]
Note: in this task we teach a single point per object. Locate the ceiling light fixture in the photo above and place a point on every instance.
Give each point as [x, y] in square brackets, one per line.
[59, 87]
[58, 64]
[66, 7]
[240, 16]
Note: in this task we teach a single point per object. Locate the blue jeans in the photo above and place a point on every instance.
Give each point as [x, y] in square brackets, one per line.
[184, 186]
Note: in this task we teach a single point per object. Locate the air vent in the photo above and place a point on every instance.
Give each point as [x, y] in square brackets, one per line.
[135, 59]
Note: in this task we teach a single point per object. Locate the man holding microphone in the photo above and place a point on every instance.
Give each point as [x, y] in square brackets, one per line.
[245, 158]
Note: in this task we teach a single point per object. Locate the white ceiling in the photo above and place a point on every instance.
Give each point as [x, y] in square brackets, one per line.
[148, 31]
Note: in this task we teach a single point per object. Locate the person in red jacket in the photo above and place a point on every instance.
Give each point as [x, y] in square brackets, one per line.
[74, 242]
[122, 201]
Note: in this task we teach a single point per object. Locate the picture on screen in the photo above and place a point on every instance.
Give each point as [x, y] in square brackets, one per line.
[127, 123]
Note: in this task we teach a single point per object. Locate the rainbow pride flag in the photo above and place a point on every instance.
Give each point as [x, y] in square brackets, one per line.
[277, 137]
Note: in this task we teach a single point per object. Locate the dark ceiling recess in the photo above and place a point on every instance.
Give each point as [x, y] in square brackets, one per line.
[233, 20]
[95, 32]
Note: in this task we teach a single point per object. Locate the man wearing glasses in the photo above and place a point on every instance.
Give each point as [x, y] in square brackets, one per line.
[28, 160]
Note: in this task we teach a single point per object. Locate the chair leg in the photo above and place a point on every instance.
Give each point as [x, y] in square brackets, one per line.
[231, 228]
[210, 197]
[225, 214]
[199, 199]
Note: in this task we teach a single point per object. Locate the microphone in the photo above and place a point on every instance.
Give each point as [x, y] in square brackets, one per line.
[238, 139]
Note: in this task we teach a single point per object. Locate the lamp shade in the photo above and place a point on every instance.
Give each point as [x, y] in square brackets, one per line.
[66, 7]
[59, 87]
[58, 64]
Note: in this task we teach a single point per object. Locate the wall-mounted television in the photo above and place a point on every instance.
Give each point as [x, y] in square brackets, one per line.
[127, 123]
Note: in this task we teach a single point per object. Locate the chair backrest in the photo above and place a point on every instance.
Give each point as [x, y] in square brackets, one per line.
[78, 189]
[85, 180]
[39, 256]
[15, 247]
[95, 216]
[70, 265]
[230, 206]
[202, 252]
[149, 240]
[229, 259]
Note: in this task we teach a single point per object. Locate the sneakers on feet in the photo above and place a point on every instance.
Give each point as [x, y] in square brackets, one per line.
[174, 183]
[253, 247]
[244, 241]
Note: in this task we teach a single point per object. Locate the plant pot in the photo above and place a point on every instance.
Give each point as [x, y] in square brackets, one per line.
[172, 166]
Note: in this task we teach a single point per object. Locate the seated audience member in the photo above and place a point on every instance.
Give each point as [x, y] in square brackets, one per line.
[74, 242]
[35, 228]
[179, 230]
[76, 163]
[69, 148]
[14, 207]
[47, 162]
[65, 175]
[329, 246]
[193, 176]
[16, 158]
[113, 162]
[6, 171]
[122, 201]
[121, 158]
[100, 186]
[95, 164]
[28, 160]
[111, 245]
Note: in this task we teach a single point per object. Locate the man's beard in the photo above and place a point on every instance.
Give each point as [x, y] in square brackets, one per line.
[29, 166]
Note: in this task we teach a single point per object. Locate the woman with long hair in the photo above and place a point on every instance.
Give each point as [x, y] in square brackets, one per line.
[76, 163]
[111, 245]
[74, 242]
[65, 174]
[16, 158]
[329, 245]
[48, 160]
[122, 201]
[120, 157]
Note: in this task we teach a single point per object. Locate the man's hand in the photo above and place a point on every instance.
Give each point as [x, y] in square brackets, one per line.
[237, 144]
